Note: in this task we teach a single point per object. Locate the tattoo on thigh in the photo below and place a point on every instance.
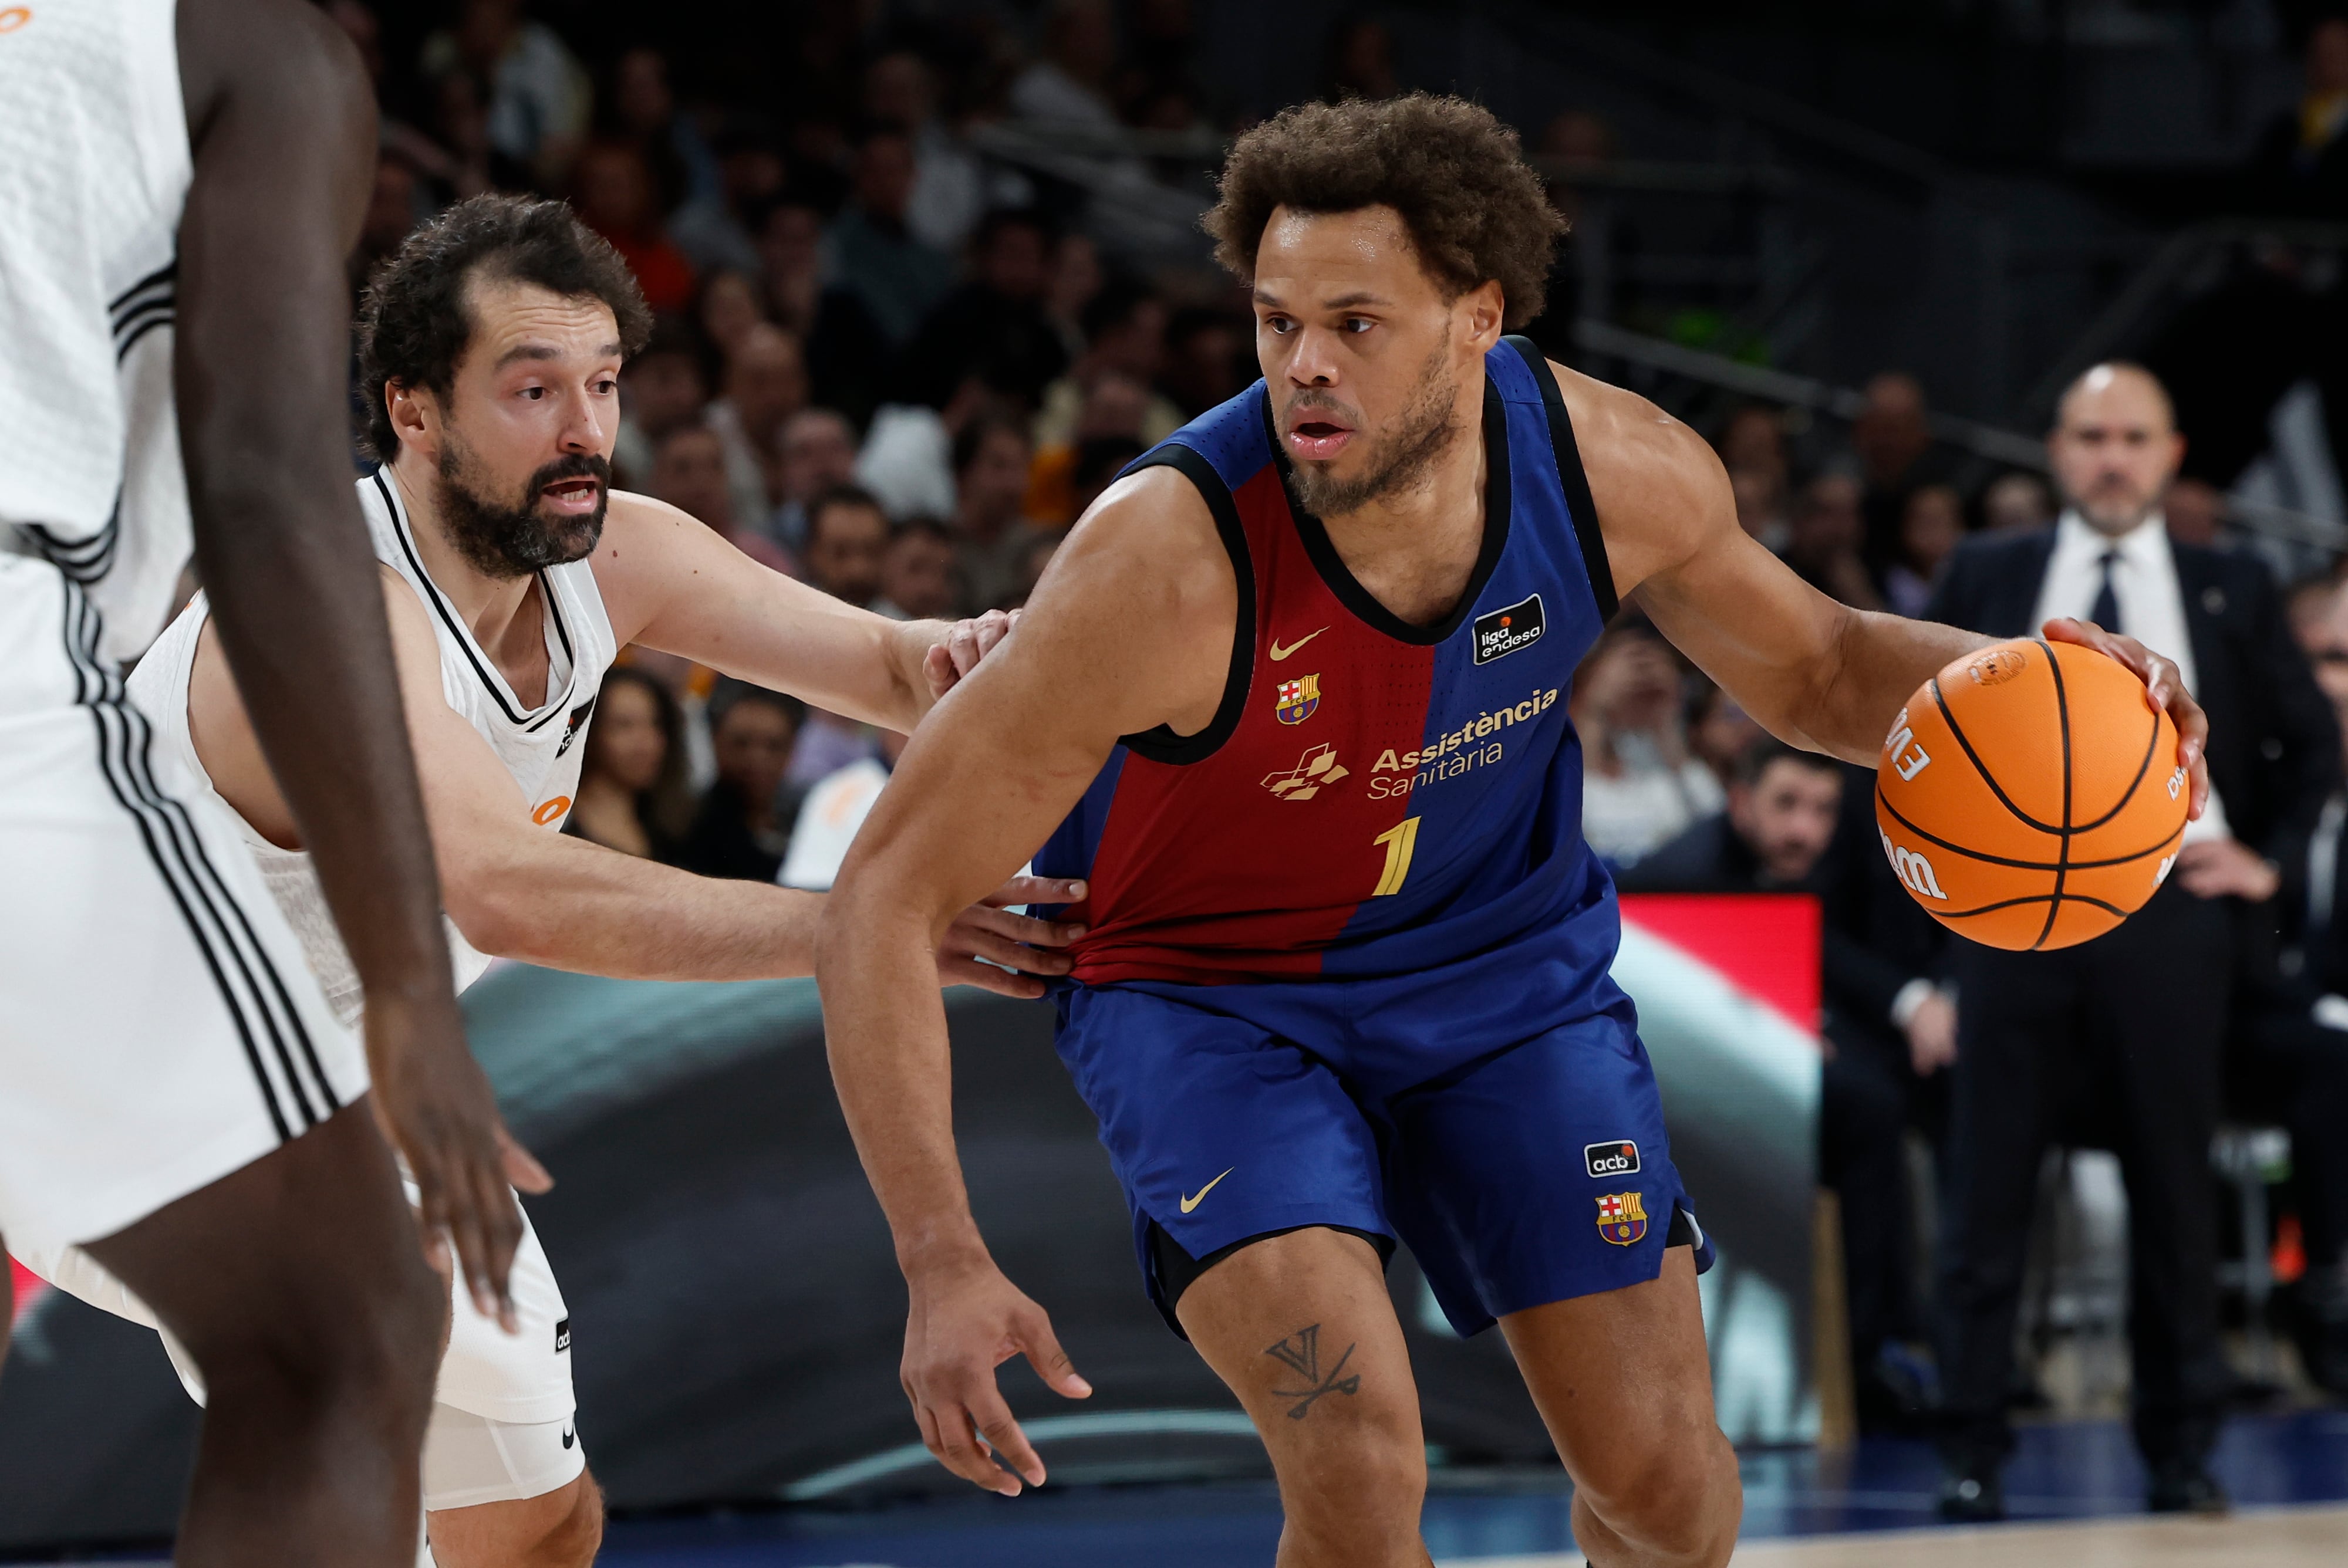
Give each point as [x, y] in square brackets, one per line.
[1302, 1352]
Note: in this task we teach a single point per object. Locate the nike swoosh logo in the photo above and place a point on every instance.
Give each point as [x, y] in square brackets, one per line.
[1189, 1203]
[569, 1437]
[1279, 653]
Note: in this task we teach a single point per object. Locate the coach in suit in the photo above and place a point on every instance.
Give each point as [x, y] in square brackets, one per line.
[2117, 1042]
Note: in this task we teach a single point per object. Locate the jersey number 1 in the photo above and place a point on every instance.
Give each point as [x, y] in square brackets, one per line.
[1400, 840]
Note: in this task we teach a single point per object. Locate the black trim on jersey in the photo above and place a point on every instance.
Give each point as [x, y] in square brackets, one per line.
[167, 273]
[125, 740]
[83, 561]
[1360, 600]
[1586, 532]
[164, 317]
[1162, 744]
[490, 683]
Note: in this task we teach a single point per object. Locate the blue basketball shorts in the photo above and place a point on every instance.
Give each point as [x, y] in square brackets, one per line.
[1533, 1172]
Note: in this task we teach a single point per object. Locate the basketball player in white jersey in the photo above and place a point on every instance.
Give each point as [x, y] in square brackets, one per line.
[491, 346]
[178, 185]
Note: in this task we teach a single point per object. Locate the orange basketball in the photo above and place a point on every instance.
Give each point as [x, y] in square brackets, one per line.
[2028, 798]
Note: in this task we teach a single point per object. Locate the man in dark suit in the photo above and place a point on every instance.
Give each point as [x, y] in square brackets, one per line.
[1800, 823]
[2118, 1041]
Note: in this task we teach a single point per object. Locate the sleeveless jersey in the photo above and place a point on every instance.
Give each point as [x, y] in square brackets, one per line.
[1373, 798]
[541, 746]
[94, 172]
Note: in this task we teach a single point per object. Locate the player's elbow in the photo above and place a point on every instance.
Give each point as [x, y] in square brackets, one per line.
[497, 913]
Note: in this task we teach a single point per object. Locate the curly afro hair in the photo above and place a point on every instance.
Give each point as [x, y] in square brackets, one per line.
[415, 325]
[1475, 209]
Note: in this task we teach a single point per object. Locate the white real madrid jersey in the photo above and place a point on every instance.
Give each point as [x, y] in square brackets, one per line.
[94, 173]
[541, 746]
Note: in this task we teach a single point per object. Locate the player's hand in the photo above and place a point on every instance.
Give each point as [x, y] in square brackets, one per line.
[966, 642]
[2223, 867]
[1931, 1033]
[2163, 688]
[966, 1319]
[434, 1105]
[989, 930]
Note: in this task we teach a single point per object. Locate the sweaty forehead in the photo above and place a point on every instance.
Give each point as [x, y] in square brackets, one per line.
[517, 321]
[1313, 254]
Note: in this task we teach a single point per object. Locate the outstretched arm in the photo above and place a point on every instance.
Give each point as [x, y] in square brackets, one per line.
[1130, 628]
[283, 127]
[519, 890]
[670, 582]
[1814, 672]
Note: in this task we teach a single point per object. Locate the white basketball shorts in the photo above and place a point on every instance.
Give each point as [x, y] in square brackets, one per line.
[158, 1027]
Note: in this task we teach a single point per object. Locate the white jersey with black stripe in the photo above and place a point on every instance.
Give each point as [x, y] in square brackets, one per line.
[542, 746]
[94, 167]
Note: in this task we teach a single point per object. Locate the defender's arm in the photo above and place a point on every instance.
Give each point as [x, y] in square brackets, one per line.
[1130, 628]
[670, 582]
[1814, 672]
[519, 890]
[283, 127]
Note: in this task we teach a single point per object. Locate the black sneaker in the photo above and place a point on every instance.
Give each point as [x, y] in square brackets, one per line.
[2185, 1486]
[1976, 1496]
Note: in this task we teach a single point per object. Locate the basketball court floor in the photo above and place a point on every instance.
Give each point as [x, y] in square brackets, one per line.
[2076, 1490]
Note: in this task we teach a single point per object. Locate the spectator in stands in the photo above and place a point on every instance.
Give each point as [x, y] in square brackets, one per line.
[743, 822]
[614, 195]
[2300, 165]
[536, 104]
[766, 383]
[990, 456]
[918, 577]
[1098, 461]
[818, 453]
[949, 182]
[461, 122]
[2290, 1057]
[1822, 544]
[1076, 277]
[871, 253]
[645, 113]
[391, 212]
[730, 305]
[1931, 524]
[1361, 61]
[1753, 443]
[2195, 512]
[846, 354]
[1759, 510]
[2151, 1051]
[632, 795]
[689, 473]
[2016, 503]
[1720, 731]
[847, 534]
[1892, 439]
[718, 228]
[1210, 360]
[1125, 335]
[1069, 84]
[661, 390]
[1115, 414]
[1783, 812]
[1042, 545]
[1640, 784]
[835, 808]
[993, 327]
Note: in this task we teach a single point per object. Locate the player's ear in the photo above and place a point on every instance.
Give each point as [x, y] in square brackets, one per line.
[1485, 308]
[409, 416]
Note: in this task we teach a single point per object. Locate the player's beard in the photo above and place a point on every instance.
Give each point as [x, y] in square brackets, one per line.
[507, 541]
[1421, 433]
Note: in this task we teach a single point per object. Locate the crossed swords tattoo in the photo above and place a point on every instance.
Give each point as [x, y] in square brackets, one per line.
[1302, 1351]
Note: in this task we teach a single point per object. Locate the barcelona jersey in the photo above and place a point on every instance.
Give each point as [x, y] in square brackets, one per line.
[1374, 798]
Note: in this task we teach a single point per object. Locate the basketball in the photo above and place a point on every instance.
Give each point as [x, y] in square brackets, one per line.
[2028, 798]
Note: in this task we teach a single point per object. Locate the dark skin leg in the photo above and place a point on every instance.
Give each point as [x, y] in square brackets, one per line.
[1624, 1384]
[296, 1285]
[1301, 1328]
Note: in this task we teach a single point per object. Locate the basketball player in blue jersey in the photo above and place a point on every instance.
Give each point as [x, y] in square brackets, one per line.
[1293, 700]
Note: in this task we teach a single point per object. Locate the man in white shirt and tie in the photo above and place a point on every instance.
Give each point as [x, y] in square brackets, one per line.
[2116, 1043]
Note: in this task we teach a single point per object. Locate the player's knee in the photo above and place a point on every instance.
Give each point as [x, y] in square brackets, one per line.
[331, 1351]
[1671, 1488]
[1368, 1470]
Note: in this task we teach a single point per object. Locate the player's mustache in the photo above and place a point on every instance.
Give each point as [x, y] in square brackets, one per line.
[577, 465]
[1321, 400]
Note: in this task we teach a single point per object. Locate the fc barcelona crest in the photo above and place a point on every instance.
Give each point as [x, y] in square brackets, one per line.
[1298, 698]
[1622, 1218]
